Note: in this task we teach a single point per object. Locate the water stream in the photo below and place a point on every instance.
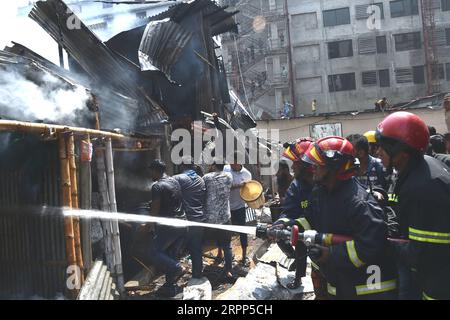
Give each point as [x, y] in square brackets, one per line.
[127, 217]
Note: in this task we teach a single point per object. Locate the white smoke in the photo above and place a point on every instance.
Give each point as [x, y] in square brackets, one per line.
[23, 99]
[16, 26]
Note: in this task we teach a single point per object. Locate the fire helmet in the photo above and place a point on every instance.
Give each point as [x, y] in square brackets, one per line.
[370, 135]
[402, 131]
[335, 153]
[295, 151]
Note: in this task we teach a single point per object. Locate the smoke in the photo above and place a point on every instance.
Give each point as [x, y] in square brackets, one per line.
[50, 100]
[17, 27]
[120, 23]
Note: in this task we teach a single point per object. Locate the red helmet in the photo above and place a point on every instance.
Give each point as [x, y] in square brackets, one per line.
[295, 151]
[335, 153]
[402, 130]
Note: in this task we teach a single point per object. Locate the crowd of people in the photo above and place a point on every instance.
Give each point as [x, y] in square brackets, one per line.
[389, 192]
[210, 198]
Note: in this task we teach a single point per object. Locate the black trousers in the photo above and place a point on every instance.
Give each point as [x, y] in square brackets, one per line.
[238, 219]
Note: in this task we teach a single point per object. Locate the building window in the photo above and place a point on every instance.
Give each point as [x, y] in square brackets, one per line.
[402, 8]
[437, 71]
[336, 17]
[342, 82]
[367, 45]
[407, 41]
[372, 45]
[418, 74]
[369, 78]
[383, 75]
[403, 75]
[447, 37]
[373, 78]
[445, 5]
[414, 75]
[340, 49]
[447, 71]
[361, 11]
[381, 44]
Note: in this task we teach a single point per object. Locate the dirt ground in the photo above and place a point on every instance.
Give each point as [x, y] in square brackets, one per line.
[211, 271]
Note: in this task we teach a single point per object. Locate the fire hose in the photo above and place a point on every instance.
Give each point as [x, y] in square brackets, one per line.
[310, 238]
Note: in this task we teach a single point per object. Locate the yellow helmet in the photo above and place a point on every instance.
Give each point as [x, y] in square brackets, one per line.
[370, 135]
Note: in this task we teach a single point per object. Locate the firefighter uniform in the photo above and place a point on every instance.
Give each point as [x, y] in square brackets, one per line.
[423, 192]
[357, 269]
[294, 206]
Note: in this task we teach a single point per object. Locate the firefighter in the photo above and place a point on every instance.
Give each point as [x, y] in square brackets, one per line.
[373, 146]
[356, 269]
[423, 193]
[294, 205]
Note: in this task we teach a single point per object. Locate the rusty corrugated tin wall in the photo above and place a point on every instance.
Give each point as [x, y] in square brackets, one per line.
[32, 246]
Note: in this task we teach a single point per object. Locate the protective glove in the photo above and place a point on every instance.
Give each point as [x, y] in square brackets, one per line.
[319, 254]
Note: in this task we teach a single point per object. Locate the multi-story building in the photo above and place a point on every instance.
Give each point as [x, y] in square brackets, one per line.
[345, 54]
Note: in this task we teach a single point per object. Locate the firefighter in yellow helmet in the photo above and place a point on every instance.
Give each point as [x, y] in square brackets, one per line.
[373, 146]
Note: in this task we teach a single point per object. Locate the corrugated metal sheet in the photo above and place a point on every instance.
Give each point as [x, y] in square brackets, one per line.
[161, 46]
[32, 246]
[106, 68]
[99, 284]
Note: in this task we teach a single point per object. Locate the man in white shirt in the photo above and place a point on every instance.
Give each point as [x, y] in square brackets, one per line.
[237, 205]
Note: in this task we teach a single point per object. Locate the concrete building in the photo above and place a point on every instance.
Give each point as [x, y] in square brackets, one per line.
[344, 54]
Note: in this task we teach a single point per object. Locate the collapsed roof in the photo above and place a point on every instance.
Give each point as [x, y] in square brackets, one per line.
[165, 69]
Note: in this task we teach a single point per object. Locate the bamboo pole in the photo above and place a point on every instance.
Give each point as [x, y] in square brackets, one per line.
[75, 204]
[118, 270]
[104, 203]
[86, 203]
[66, 202]
[18, 126]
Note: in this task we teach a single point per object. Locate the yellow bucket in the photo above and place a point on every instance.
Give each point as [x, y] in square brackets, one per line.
[252, 193]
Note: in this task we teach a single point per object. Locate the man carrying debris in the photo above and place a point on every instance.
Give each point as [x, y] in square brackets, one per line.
[358, 268]
[237, 205]
[217, 208]
[382, 105]
[423, 192]
[193, 192]
[166, 202]
[294, 205]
